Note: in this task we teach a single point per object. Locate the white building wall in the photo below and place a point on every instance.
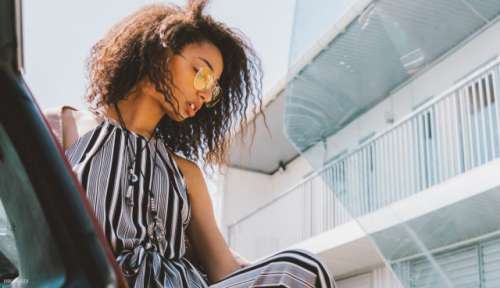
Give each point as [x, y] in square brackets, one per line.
[245, 191]
[380, 277]
[240, 200]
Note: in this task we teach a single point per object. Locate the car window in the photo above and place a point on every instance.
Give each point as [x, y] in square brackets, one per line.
[28, 254]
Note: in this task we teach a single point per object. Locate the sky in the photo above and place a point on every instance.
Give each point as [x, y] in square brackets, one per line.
[58, 35]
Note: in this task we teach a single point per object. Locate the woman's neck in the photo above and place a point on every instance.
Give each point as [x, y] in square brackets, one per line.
[139, 113]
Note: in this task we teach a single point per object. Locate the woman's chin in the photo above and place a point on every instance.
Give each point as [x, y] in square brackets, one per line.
[180, 118]
[177, 117]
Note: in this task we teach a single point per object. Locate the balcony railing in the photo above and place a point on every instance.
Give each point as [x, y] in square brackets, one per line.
[449, 135]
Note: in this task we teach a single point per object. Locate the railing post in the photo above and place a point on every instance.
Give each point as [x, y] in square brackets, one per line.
[496, 85]
[489, 107]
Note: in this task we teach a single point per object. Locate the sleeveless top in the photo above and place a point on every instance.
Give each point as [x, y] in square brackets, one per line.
[123, 210]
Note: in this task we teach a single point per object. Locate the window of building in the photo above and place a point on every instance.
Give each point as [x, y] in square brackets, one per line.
[474, 265]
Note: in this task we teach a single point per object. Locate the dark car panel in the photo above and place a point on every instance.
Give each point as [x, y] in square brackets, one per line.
[48, 235]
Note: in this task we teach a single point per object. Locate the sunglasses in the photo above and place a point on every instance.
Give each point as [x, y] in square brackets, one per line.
[205, 81]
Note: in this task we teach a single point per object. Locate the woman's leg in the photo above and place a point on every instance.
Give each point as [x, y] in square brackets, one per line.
[289, 268]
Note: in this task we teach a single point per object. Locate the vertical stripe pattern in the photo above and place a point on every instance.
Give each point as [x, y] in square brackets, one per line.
[101, 163]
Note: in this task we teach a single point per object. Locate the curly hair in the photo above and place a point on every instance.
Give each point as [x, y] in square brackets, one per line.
[141, 46]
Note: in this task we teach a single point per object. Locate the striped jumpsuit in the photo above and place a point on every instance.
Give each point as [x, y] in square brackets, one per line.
[100, 162]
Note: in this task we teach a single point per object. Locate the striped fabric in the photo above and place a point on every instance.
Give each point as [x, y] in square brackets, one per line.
[100, 162]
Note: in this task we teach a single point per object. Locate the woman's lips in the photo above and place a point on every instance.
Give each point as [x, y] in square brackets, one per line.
[190, 109]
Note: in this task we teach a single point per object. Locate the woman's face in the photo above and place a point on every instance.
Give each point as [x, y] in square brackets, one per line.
[184, 67]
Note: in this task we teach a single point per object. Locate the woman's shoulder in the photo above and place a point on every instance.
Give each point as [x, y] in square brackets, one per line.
[187, 167]
[190, 170]
[68, 123]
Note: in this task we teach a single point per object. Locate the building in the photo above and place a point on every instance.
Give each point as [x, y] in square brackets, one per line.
[383, 145]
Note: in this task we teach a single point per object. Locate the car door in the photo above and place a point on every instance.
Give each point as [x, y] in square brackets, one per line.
[48, 236]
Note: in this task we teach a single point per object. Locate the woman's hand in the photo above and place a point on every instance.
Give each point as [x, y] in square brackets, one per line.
[242, 262]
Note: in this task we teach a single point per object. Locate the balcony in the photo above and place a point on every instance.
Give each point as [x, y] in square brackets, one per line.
[367, 50]
[454, 134]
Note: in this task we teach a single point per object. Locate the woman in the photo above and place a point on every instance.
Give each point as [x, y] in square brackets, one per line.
[167, 81]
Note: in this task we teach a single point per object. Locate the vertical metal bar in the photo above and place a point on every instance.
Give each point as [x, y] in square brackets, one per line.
[333, 191]
[339, 192]
[456, 132]
[363, 179]
[309, 205]
[431, 139]
[452, 140]
[379, 199]
[369, 151]
[348, 194]
[380, 176]
[495, 87]
[428, 152]
[422, 154]
[444, 142]
[392, 176]
[361, 182]
[366, 182]
[324, 184]
[405, 171]
[387, 171]
[322, 202]
[375, 172]
[390, 168]
[476, 122]
[436, 135]
[449, 146]
[399, 164]
[489, 109]
[366, 185]
[371, 182]
[421, 148]
[493, 113]
[409, 157]
[398, 133]
[342, 176]
[327, 187]
[328, 184]
[467, 92]
[413, 158]
[439, 140]
[482, 115]
[464, 130]
[352, 182]
[335, 194]
[402, 160]
[369, 187]
[357, 202]
[303, 218]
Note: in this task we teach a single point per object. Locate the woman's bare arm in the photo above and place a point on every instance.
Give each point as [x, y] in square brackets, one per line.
[207, 241]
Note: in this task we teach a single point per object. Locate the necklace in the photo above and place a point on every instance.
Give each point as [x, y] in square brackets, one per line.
[155, 228]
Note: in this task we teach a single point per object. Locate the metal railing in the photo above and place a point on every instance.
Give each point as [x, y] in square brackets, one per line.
[451, 134]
